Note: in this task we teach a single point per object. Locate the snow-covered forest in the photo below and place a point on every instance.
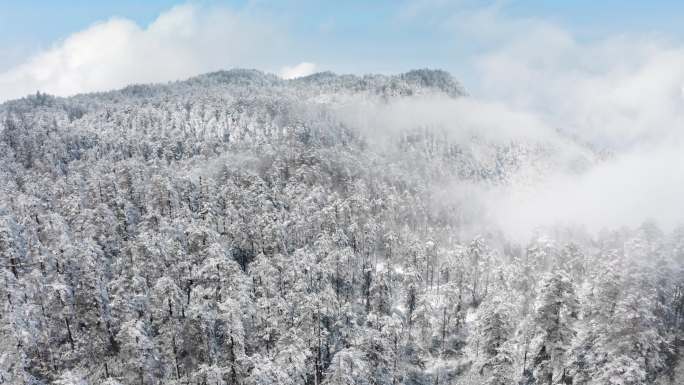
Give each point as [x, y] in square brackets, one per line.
[238, 228]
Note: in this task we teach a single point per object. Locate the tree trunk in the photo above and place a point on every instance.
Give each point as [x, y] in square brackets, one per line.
[71, 338]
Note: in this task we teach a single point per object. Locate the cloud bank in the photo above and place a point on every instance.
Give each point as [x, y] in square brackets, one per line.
[620, 94]
[186, 40]
[640, 186]
[298, 71]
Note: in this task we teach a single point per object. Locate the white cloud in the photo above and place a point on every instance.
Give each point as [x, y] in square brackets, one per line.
[623, 93]
[627, 94]
[298, 71]
[184, 41]
[626, 191]
[620, 93]
[615, 91]
[460, 118]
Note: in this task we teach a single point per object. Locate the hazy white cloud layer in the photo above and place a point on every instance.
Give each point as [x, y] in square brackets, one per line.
[639, 186]
[622, 94]
[184, 41]
[298, 71]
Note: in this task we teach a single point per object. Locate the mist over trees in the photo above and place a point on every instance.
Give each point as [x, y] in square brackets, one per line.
[234, 229]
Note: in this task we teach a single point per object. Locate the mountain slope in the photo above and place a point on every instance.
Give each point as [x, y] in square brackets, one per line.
[237, 228]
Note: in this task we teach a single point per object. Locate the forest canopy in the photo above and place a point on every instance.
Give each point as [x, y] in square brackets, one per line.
[238, 228]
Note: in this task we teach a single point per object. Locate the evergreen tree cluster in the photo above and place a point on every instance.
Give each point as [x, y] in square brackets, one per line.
[231, 229]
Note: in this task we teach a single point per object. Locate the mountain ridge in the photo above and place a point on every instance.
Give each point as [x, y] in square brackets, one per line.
[423, 79]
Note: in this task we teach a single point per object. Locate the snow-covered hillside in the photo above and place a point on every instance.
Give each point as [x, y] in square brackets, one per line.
[238, 228]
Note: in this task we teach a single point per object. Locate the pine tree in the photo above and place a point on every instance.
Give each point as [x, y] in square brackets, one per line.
[555, 316]
[494, 364]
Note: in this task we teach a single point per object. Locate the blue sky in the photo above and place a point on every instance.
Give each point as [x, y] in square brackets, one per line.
[44, 21]
[348, 36]
[368, 30]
